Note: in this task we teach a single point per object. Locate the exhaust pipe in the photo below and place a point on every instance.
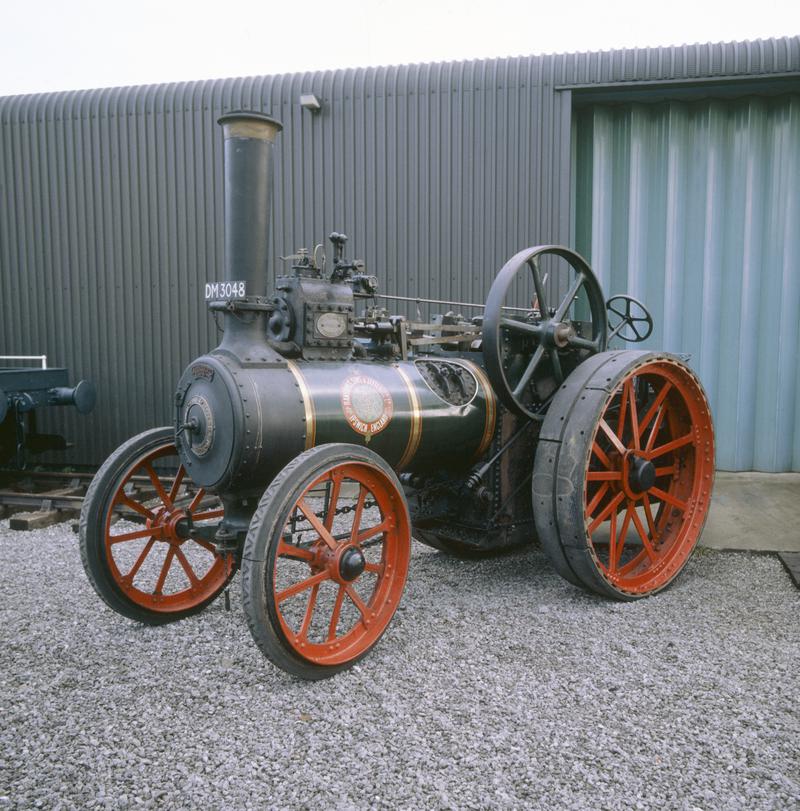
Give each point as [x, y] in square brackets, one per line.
[248, 182]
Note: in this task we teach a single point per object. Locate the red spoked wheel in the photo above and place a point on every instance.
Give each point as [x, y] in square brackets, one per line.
[326, 560]
[146, 534]
[627, 453]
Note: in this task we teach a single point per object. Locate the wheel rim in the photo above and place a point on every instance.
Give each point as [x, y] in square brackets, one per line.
[150, 555]
[649, 477]
[340, 565]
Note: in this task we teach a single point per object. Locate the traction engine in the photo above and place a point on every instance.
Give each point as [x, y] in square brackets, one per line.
[323, 432]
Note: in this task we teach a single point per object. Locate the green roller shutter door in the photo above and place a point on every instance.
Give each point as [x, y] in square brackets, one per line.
[695, 209]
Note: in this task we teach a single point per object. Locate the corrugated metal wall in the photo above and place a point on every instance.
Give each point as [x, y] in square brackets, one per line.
[112, 219]
[695, 209]
[111, 206]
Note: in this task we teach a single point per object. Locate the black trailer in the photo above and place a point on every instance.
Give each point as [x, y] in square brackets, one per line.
[24, 390]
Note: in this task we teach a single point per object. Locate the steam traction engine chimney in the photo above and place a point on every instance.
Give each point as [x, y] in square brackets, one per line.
[248, 171]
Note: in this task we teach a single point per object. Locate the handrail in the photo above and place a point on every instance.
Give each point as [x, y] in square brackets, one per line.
[41, 358]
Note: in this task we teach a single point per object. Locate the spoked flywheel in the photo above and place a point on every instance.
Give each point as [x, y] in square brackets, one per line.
[532, 338]
[624, 472]
[325, 560]
[145, 533]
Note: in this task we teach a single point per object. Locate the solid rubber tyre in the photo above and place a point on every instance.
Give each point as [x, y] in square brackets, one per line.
[266, 545]
[94, 527]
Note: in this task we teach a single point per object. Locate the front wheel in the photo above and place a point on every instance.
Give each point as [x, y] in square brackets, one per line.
[144, 532]
[325, 560]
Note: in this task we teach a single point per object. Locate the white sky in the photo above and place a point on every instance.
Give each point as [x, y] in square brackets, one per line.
[69, 44]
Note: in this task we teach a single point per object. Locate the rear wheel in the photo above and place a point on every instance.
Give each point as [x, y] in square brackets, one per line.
[325, 560]
[144, 532]
[624, 472]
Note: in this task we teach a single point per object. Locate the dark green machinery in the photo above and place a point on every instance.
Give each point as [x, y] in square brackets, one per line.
[324, 431]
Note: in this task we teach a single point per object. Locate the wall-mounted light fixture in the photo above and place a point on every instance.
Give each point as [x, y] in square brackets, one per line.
[309, 101]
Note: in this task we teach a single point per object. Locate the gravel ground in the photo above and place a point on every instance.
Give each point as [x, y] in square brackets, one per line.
[497, 685]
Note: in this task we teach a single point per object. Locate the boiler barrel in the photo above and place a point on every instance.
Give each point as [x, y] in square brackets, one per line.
[245, 422]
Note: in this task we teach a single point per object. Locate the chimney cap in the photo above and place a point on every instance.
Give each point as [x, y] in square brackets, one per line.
[249, 124]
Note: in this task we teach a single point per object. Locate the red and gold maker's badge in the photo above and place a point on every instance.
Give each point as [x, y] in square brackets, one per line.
[367, 404]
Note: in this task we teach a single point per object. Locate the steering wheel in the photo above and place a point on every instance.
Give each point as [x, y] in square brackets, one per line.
[633, 314]
[529, 351]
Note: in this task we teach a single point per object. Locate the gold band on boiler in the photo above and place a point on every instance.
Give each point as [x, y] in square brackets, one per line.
[308, 404]
[415, 432]
[491, 408]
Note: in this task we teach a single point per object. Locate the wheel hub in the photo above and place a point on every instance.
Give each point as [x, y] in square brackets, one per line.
[351, 564]
[344, 564]
[641, 474]
[560, 333]
[172, 527]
